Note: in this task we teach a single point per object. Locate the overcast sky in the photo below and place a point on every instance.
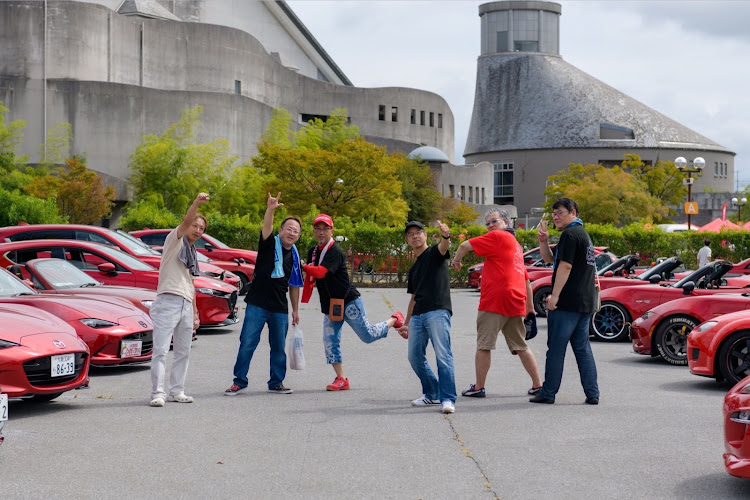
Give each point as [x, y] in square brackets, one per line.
[687, 59]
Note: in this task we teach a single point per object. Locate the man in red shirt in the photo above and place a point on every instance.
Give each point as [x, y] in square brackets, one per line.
[505, 299]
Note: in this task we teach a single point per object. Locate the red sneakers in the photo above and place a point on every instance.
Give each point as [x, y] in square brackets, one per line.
[339, 384]
[399, 319]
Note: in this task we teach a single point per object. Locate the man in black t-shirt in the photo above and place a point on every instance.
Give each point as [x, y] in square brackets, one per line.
[571, 303]
[277, 269]
[429, 316]
[326, 269]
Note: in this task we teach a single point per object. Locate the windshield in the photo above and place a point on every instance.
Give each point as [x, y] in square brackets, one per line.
[127, 260]
[215, 242]
[134, 245]
[62, 274]
[10, 286]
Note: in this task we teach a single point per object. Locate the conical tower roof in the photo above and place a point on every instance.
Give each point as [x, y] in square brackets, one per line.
[537, 101]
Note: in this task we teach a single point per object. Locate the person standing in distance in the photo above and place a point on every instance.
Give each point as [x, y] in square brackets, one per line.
[571, 303]
[277, 270]
[174, 310]
[704, 254]
[429, 316]
[326, 270]
[504, 300]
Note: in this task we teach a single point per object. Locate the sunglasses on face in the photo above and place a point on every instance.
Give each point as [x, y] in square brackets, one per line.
[493, 221]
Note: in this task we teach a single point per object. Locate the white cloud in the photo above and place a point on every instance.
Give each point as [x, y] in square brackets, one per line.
[688, 60]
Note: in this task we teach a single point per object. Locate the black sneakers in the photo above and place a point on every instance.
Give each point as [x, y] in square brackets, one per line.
[281, 390]
[473, 392]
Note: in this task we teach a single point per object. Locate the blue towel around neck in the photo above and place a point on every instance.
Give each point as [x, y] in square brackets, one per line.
[295, 279]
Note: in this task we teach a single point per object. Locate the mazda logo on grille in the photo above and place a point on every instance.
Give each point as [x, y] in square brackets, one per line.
[59, 344]
[143, 324]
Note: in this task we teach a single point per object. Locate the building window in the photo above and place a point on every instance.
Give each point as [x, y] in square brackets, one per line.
[421, 117]
[452, 190]
[432, 119]
[463, 193]
[503, 188]
[237, 87]
[413, 116]
[471, 192]
[716, 169]
[440, 120]
[476, 196]
[394, 114]
[483, 198]
[502, 41]
[381, 113]
[615, 133]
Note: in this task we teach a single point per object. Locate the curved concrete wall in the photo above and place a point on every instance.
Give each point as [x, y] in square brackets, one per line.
[116, 78]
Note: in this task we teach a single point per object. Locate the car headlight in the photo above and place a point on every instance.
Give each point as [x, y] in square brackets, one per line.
[97, 323]
[741, 417]
[212, 291]
[745, 390]
[647, 314]
[706, 326]
[7, 343]
[147, 303]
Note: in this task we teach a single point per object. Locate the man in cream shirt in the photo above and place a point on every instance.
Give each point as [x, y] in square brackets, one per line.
[174, 311]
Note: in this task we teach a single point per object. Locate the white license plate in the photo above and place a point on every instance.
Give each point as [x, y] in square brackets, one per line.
[130, 348]
[63, 364]
[3, 407]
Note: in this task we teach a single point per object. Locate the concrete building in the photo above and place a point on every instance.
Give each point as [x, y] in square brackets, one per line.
[534, 113]
[118, 70]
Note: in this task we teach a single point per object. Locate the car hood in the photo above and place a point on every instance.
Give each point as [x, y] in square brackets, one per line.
[70, 307]
[18, 321]
[50, 343]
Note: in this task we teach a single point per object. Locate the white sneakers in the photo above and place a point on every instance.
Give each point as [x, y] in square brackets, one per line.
[448, 407]
[157, 402]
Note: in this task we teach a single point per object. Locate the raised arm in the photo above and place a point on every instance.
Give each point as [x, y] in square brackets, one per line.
[271, 205]
[192, 212]
[445, 241]
[543, 237]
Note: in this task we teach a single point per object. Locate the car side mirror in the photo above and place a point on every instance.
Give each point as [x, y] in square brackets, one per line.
[654, 279]
[208, 247]
[106, 267]
[688, 288]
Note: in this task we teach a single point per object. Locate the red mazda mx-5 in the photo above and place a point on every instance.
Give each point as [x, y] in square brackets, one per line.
[737, 429]
[40, 355]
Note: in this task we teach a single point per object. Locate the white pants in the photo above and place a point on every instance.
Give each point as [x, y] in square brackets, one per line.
[172, 315]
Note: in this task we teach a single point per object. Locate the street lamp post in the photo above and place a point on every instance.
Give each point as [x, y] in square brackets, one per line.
[689, 169]
[739, 203]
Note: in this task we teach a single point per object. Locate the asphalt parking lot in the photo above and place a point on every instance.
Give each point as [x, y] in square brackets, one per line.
[657, 432]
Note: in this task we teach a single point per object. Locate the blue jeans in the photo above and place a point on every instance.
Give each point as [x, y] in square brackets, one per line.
[564, 327]
[278, 323]
[434, 326]
[354, 316]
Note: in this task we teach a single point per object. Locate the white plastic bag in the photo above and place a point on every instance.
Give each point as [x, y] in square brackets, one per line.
[294, 349]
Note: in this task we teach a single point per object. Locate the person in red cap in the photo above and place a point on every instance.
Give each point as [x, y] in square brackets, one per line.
[339, 299]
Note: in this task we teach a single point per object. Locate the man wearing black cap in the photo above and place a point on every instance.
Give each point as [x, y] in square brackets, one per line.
[339, 300]
[429, 316]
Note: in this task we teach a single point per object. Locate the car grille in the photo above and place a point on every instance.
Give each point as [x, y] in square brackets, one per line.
[146, 338]
[38, 371]
[232, 303]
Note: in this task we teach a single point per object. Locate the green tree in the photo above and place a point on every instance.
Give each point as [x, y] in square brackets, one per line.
[417, 188]
[80, 193]
[57, 146]
[11, 136]
[605, 195]
[174, 166]
[327, 164]
[456, 213]
[16, 207]
[663, 181]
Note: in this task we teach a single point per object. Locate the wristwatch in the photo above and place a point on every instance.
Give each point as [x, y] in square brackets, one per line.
[446, 237]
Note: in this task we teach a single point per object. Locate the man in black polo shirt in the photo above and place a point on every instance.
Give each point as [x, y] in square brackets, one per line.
[429, 316]
[327, 271]
[277, 268]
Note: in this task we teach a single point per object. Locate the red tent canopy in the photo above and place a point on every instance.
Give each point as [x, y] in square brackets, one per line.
[747, 225]
[717, 225]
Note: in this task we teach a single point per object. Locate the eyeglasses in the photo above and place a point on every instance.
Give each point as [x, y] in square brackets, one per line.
[321, 229]
[291, 231]
[559, 213]
[412, 234]
[493, 221]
